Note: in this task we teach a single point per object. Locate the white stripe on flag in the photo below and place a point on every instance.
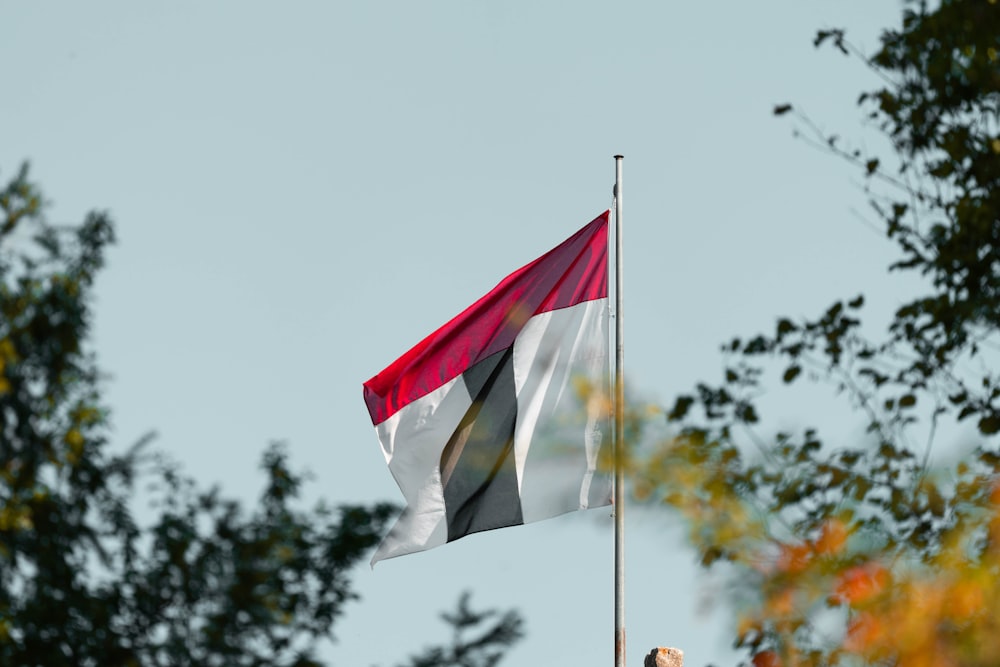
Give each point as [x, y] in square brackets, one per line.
[415, 464]
[559, 355]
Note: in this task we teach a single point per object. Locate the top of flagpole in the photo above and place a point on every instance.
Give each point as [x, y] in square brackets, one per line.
[614, 192]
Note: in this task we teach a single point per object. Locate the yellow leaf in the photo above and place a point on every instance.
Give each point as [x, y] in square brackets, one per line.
[966, 600]
[832, 538]
[74, 438]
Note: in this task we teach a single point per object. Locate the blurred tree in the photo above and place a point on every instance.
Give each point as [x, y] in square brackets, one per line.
[472, 646]
[871, 555]
[82, 580]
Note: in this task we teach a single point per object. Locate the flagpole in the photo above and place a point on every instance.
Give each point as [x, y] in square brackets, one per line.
[619, 441]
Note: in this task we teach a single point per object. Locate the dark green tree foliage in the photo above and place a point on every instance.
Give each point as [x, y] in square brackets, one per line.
[839, 550]
[471, 645]
[82, 582]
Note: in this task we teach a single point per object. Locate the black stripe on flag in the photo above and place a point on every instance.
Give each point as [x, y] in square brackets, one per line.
[477, 464]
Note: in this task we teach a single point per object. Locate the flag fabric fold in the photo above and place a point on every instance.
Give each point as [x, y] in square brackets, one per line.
[499, 417]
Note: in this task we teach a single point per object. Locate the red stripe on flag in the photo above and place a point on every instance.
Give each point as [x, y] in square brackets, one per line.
[573, 272]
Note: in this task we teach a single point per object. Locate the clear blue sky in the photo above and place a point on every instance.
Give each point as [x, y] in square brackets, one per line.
[305, 189]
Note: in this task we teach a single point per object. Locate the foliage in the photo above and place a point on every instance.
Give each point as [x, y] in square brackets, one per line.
[870, 554]
[83, 581]
[485, 648]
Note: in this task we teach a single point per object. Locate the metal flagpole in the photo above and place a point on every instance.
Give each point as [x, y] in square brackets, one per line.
[619, 439]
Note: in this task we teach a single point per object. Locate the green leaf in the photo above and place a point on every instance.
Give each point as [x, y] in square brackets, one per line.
[680, 409]
[748, 414]
[989, 425]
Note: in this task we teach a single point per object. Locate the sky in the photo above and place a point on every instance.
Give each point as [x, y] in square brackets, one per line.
[304, 190]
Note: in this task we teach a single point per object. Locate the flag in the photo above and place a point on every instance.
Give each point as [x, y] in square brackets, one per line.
[498, 418]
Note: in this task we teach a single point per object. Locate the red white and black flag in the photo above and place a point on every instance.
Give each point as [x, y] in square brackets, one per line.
[498, 418]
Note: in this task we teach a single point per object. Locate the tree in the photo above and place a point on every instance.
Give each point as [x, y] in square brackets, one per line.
[82, 580]
[485, 648]
[872, 554]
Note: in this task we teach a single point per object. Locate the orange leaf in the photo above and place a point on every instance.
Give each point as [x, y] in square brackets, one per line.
[862, 583]
[864, 632]
[793, 557]
[766, 659]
